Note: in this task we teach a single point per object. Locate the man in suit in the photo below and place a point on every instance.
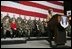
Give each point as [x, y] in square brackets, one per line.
[55, 29]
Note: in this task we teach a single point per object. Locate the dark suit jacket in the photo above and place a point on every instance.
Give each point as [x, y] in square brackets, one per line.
[56, 30]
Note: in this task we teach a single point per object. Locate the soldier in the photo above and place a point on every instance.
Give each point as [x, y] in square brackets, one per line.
[27, 29]
[35, 27]
[45, 29]
[6, 25]
[23, 28]
[68, 29]
[41, 29]
[44, 23]
[30, 25]
[19, 26]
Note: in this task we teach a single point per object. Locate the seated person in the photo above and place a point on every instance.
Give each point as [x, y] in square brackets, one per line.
[13, 26]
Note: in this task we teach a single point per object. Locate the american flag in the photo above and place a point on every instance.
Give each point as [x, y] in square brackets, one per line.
[31, 8]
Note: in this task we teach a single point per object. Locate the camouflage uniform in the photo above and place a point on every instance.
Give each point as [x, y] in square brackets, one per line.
[41, 28]
[43, 23]
[68, 29]
[19, 26]
[23, 28]
[31, 25]
[27, 29]
[34, 33]
[6, 25]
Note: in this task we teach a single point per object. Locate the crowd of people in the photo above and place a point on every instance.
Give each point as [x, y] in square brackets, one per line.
[12, 27]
